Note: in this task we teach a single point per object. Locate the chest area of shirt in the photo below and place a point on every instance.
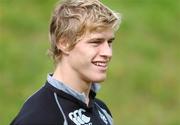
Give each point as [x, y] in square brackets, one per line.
[78, 115]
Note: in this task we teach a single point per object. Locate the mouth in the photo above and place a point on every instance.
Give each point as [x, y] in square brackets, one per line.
[103, 65]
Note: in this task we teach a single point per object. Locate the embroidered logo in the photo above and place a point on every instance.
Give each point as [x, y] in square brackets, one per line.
[79, 118]
[103, 118]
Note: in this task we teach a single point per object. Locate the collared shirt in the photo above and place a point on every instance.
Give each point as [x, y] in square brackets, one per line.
[58, 104]
[61, 86]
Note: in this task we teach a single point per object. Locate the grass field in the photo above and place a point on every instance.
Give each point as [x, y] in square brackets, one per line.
[143, 84]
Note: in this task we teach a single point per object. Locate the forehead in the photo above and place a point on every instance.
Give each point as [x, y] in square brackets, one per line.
[103, 34]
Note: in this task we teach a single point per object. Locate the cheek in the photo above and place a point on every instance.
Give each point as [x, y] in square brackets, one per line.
[79, 58]
[86, 53]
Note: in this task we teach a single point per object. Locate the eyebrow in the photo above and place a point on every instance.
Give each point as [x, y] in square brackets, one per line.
[111, 39]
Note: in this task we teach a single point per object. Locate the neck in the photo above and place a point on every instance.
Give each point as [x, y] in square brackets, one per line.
[69, 77]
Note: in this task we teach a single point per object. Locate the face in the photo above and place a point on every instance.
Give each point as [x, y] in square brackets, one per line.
[90, 57]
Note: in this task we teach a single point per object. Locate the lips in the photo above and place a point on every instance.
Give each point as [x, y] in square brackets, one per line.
[102, 65]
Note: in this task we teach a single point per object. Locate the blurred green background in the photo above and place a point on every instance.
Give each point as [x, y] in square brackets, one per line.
[143, 84]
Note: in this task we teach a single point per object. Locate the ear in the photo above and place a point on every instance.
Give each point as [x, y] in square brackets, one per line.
[63, 45]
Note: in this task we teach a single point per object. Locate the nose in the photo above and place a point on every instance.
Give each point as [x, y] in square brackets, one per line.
[106, 50]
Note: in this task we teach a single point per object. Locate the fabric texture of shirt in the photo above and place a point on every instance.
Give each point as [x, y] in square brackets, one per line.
[60, 105]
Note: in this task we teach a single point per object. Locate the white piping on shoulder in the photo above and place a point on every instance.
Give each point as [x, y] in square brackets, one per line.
[60, 108]
[106, 114]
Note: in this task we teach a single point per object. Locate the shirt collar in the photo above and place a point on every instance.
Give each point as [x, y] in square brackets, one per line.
[61, 86]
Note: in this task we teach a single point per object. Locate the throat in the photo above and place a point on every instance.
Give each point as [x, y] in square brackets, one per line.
[72, 80]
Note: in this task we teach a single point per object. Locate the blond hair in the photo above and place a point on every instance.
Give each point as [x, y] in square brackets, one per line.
[71, 19]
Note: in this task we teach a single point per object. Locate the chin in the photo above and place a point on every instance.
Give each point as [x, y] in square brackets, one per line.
[95, 77]
[99, 79]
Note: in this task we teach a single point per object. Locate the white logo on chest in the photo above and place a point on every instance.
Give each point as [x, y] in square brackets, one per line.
[79, 118]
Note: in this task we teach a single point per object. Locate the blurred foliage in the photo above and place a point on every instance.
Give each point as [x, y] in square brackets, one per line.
[142, 87]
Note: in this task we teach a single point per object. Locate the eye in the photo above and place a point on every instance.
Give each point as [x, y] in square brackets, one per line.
[96, 42]
[110, 42]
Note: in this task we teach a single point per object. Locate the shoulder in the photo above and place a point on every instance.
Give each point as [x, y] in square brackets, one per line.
[37, 119]
[102, 105]
[40, 108]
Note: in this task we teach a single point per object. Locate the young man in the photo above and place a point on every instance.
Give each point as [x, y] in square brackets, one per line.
[81, 35]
